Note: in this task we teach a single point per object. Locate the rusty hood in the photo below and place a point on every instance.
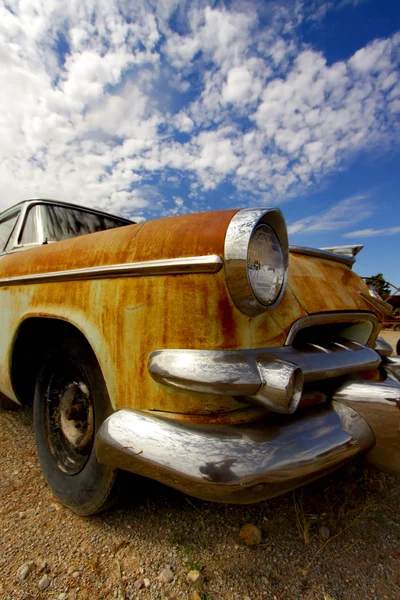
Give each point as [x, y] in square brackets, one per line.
[315, 284]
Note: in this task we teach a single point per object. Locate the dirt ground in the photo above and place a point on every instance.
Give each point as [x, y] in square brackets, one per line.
[337, 539]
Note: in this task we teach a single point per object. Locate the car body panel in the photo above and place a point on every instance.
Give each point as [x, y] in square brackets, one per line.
[126, 318]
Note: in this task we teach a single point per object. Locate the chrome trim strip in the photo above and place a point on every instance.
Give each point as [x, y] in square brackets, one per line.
[233, 463]
[320, 253]
[377, 303]
[168, 266]
[335, 317]
[237, 240]
[349, 251]
[253, 374]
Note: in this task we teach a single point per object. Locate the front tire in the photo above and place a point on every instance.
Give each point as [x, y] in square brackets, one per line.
[70, 404]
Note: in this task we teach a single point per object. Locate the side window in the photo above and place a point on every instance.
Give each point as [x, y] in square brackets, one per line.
[6, 228]
[29, 232]
[60, 222]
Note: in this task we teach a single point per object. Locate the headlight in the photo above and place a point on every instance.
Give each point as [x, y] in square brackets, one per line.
[265, 265]
[256, 259]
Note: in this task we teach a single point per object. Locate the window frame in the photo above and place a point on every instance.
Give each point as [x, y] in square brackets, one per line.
[13, 244]
[10, 214]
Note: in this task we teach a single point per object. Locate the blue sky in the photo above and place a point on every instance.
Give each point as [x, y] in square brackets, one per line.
[151, 109]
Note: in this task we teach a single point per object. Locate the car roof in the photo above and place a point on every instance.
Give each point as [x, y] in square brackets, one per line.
[12, 208]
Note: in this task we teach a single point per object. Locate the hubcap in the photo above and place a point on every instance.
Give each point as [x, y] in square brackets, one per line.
[76, 414]
[69, 417]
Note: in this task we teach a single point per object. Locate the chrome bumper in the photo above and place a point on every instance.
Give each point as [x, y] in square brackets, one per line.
[379, 404]
[237, 463]
[268, 377]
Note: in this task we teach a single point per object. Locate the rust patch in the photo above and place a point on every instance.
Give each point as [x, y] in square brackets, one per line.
[321, 285]
[236, 417]
[288, 311]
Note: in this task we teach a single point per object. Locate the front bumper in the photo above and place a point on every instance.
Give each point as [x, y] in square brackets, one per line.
[234, 463]
[253, 462]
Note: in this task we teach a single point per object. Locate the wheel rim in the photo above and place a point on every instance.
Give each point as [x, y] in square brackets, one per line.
[69, 418]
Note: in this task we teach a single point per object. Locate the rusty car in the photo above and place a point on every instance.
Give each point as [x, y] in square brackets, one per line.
[198, 350]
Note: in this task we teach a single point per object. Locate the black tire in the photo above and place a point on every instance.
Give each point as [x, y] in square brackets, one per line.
[70, 403]
[398, 347]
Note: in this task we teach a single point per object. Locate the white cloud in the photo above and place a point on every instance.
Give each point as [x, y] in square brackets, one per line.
[238, 85]
[372, 232]
[339, 216]
[95, 98]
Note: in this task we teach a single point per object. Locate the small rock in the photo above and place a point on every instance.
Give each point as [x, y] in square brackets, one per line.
[193, 576]
[24, 570]
[44, 583]
[324, 533]
[75, 574]
[146, 582]
[195, 596]
[43, 566]
[274, 575]
[166, 576]
[62, 596]
[139, 583]
[250, 535]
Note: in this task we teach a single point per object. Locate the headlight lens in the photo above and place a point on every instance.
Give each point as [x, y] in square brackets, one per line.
[265, 265]
[256, 256]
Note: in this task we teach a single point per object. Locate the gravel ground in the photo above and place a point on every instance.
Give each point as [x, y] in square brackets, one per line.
[335, 539]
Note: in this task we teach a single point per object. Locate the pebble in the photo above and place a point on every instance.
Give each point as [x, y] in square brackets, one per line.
[62, 596]
[24, 570]
[139, 583]
[166, 576]
[250, 535]
[44, 583]
[43, 566]
[324, 533]
[193, 576]
[146, 582]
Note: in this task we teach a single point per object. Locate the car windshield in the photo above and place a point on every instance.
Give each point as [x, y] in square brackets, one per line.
[62, 222]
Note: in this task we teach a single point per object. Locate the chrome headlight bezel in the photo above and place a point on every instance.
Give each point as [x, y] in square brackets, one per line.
[237, 240]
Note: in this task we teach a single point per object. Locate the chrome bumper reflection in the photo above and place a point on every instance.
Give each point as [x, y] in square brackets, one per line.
[379, 404]
[236, 463]
[391, 365]
[269, 377]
